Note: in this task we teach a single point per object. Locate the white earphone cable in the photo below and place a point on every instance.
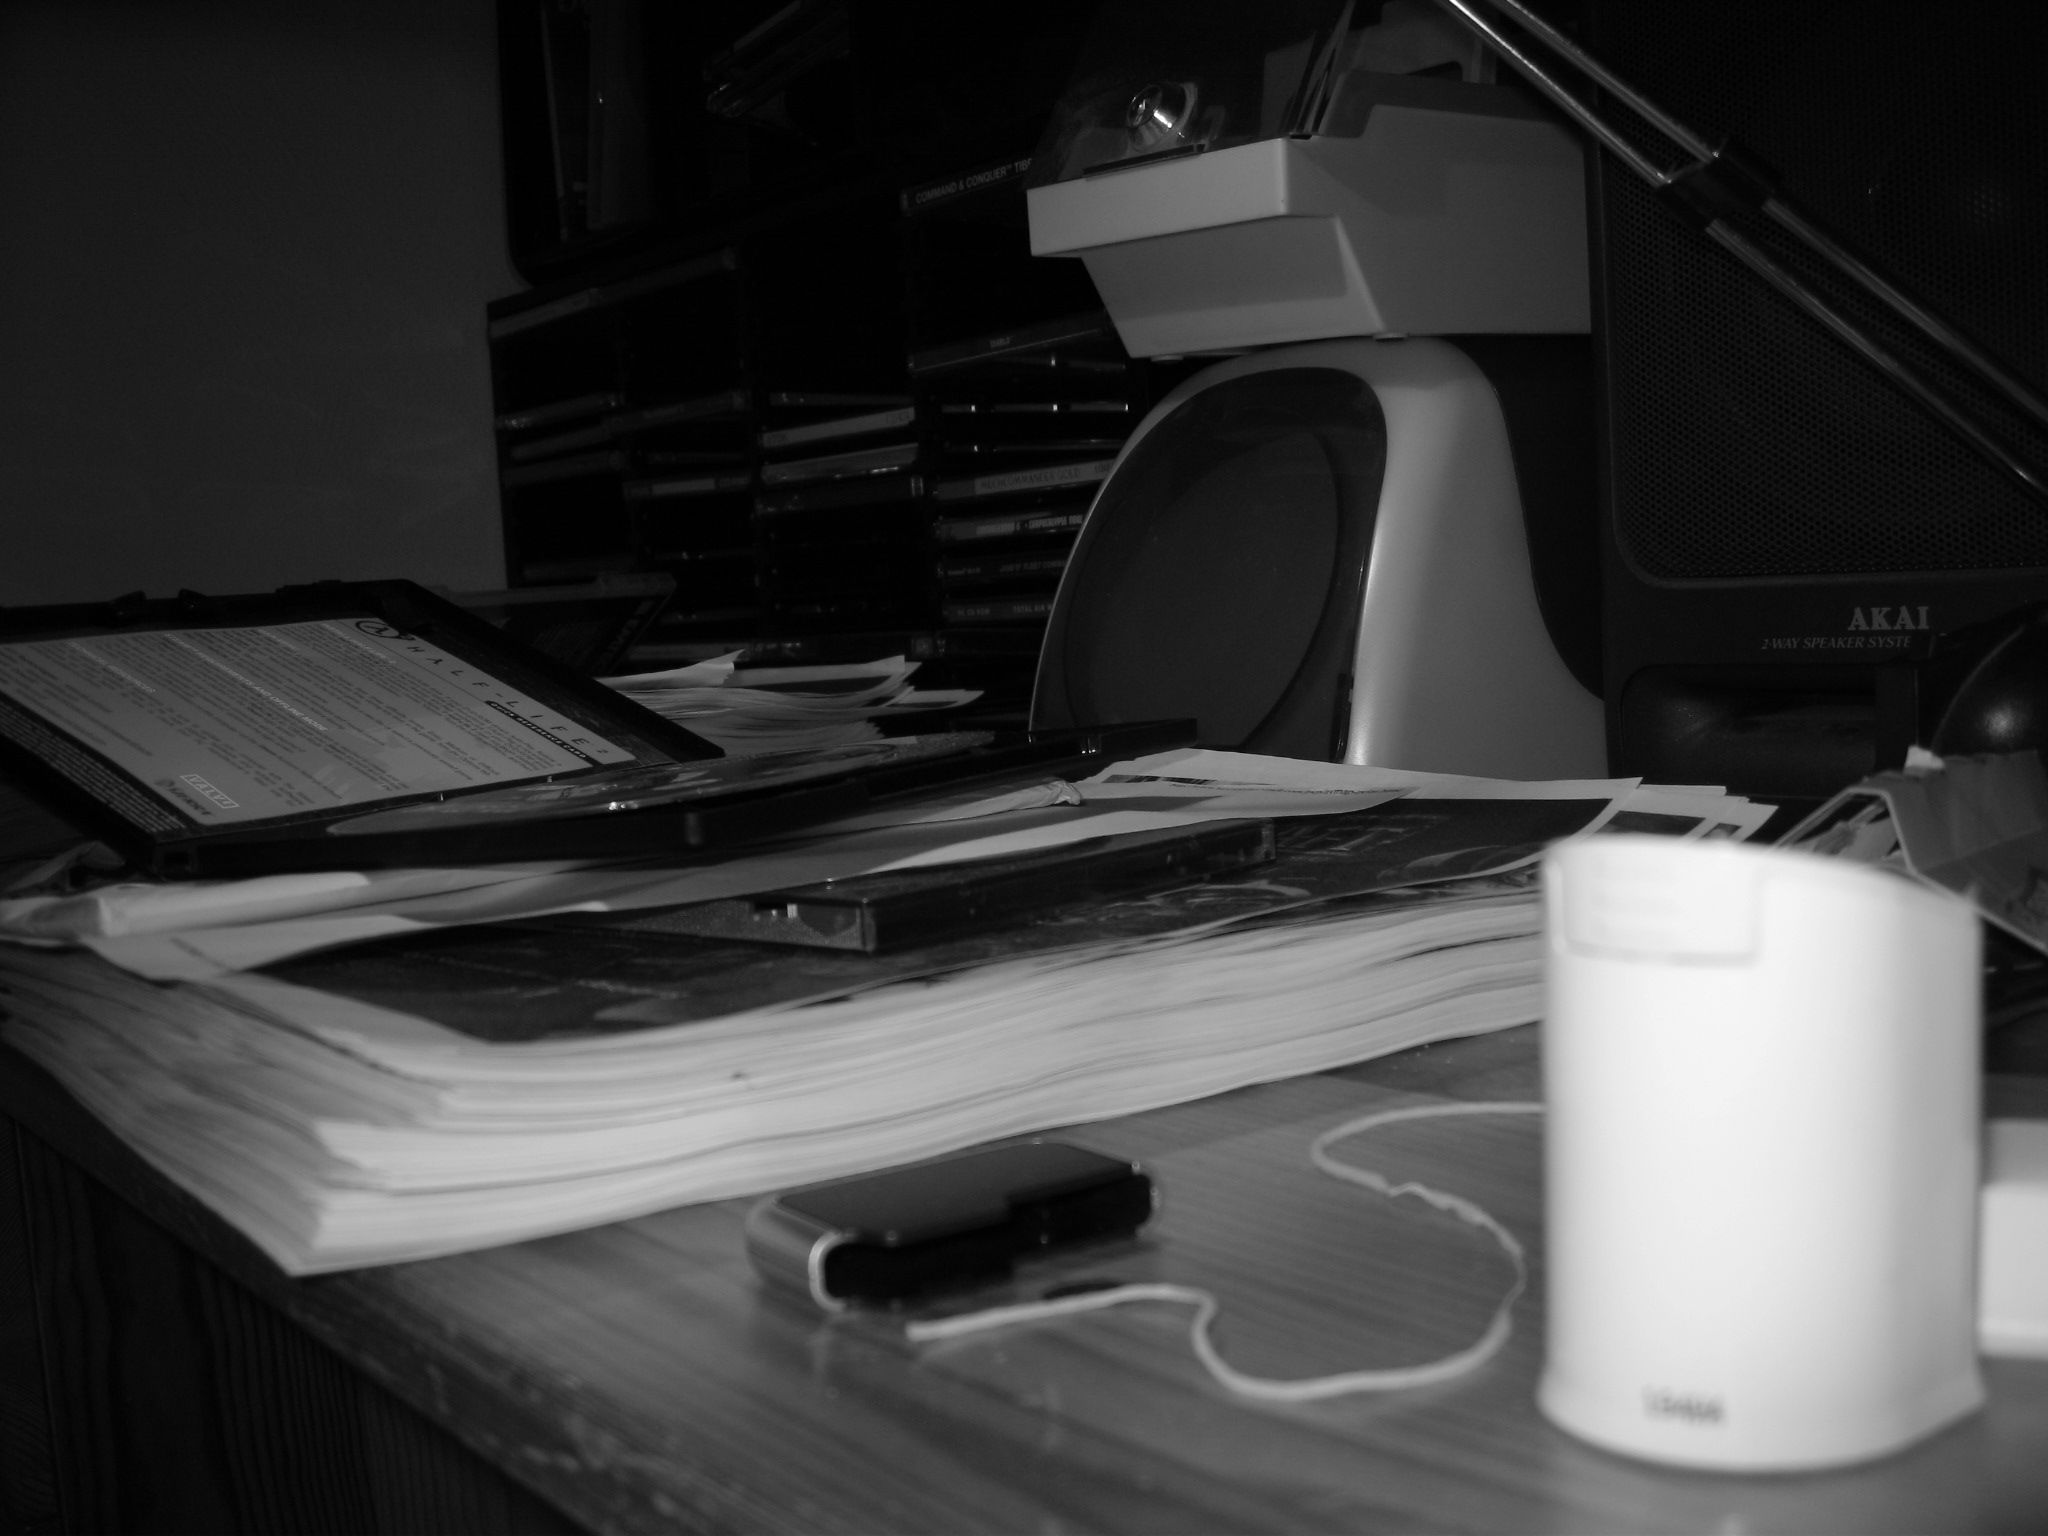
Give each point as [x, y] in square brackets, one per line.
[1306, 1389]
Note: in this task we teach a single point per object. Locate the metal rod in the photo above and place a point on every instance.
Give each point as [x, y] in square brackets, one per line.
[1960, 418]
[1778, 208]
[1930, 396]
[1911, 310]
[1674, 130]
[1579, 112]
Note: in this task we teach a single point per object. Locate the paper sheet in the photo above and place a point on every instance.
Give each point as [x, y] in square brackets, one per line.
[204, 951]
[1977, 826]
[1202, 769]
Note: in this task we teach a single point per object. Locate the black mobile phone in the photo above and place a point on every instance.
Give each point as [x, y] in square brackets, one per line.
[904, 1233]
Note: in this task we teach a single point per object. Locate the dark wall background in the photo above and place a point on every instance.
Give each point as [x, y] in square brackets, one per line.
[245, 249]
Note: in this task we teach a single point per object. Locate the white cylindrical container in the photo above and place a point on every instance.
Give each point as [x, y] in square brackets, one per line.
[1762, 1071]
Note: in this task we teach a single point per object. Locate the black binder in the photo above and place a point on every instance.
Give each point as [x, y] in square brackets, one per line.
[372, 724]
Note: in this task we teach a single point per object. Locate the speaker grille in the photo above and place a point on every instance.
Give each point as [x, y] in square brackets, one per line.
[1745, 440]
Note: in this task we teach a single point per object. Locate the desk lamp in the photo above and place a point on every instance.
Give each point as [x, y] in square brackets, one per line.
[1320, 546]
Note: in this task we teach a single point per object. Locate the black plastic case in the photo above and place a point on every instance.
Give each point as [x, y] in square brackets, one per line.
[891, 1237]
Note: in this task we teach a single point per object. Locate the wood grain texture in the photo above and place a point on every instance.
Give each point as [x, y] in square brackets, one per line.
[174, 1400]
[641, 1378]
[28, 1460]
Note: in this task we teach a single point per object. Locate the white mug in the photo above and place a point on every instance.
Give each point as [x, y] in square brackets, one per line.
[1763, 1078]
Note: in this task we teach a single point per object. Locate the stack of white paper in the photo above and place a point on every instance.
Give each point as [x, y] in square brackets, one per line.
[337, 1134]
[483, 1081]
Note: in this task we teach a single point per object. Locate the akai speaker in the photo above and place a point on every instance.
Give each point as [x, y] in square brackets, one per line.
[1762, 1073]
[1372, 551]
[1780, 521]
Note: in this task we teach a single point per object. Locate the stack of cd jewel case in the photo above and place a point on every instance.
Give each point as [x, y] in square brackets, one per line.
[840, 531]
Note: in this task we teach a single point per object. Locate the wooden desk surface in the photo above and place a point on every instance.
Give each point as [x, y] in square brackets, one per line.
[640, 1378]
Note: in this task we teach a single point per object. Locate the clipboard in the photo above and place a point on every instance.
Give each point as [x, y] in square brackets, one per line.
[358, 725]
